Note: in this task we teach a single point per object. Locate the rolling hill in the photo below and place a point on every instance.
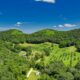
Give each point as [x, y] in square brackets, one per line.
[43, 55]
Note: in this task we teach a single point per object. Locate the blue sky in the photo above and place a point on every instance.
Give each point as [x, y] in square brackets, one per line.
[33, 15]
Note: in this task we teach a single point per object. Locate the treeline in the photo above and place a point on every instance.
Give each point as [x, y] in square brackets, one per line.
[64, 38]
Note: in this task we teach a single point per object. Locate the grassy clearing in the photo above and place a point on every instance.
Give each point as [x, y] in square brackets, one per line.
[32, 75]
[26, 44]
[63, 54]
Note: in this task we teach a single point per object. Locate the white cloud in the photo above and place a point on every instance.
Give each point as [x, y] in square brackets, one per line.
[48, 1]
[60, 26]
[18, 24]
[69, 25]
[54, 26]
[65, 25]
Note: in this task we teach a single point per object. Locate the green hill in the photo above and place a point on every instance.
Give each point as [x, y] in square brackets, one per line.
[11, 32]
[12, 35]
[43, 55]
[45, 32]
[64, 38]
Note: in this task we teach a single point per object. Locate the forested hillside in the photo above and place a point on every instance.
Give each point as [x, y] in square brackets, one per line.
[63, 38]
[44, 55]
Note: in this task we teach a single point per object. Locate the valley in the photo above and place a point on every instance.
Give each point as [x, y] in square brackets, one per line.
[43, 55]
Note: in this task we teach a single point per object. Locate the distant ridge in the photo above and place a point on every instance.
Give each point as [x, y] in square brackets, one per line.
[12, 31]
[43, 30]
[70, 37]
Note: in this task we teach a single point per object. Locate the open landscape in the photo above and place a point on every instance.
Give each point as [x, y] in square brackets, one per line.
[38, 56]
[39, 39]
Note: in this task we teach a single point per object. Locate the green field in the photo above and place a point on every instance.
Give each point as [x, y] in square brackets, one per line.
[68, 55]
[63, 54]
[32, 74]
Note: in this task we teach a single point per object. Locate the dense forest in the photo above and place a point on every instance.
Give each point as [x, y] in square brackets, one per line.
[63, 38]
[44, 55]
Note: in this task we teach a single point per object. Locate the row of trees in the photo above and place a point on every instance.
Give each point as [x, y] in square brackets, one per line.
[64, 38]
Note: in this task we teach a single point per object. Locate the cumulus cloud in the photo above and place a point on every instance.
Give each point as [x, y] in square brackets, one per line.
[69, 25]
[65, 25]
[48, 1]
[18, 24]
[60, 26]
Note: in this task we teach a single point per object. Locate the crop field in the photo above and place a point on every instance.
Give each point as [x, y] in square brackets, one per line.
[56, 53]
